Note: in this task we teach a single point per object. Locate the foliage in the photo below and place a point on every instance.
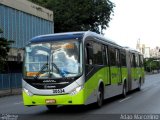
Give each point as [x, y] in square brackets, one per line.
[1, 31]
[4, 49]
[151, 64]
[79, 15]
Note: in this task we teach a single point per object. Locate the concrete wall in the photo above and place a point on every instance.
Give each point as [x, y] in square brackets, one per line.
[30, 8]
[22, 20]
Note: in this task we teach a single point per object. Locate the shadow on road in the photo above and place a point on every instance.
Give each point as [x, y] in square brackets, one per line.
[76, 112]
[83, 109]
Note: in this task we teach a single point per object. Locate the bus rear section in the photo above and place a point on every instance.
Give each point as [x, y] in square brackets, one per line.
[135, 70]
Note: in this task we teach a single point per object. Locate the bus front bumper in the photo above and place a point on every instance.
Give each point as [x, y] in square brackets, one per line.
[67, 99]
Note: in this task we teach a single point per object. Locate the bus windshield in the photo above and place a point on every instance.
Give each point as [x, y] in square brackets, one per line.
[52, 60]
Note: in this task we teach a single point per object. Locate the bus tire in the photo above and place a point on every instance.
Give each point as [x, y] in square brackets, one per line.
[51, 107]
[139, 85]
[100, 96]
[124, 91]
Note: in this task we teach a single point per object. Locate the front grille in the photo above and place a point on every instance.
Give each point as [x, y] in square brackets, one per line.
[48, 85]
[57, 84]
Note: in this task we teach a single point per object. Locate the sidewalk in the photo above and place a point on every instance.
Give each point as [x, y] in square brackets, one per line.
[10, 92]
[153, 72]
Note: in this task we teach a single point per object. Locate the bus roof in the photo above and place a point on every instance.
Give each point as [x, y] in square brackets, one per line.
[100, 37]
[68, 36]
[57, 36]
[79, 36]
[132, 50]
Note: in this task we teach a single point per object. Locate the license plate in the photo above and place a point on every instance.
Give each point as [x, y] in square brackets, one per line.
[50, 101]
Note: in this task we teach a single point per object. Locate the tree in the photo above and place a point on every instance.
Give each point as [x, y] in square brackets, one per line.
[151, 64]
[79, 15]
[1, 31]
[4, 49]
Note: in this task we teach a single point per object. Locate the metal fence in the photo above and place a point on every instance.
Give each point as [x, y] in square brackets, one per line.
[10, 81]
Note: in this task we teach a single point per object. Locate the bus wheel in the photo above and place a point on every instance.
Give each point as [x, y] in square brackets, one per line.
[51, 107]
[124, 92]
[100, 97]
[139, 85]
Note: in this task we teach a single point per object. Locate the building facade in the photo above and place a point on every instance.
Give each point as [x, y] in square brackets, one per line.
[147, 51]
[155, 53]
[143, 49]
[21, 20]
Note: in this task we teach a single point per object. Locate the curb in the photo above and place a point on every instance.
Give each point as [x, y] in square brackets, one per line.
[9, 92]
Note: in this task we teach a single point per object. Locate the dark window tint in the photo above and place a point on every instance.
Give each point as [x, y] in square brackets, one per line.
[89, 53]
[133, 60]
[137, 60]
[97, 54]
[123, 58]
[117, 58]
[112, 56]
[141, 60]
[105, 51]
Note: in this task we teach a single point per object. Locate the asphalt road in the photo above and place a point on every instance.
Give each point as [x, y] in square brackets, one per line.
[142, 103]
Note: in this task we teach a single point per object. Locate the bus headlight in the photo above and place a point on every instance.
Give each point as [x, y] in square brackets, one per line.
[27, 92]
[76, 90]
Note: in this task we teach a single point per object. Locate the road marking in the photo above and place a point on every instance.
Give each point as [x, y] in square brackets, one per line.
[125, 99]
[145, 89]
[18, 103]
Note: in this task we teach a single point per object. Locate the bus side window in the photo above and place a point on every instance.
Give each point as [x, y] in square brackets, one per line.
[105, 55]
[123, 58]
[107, 61]
[97, 54]
[117, 58]
[112, 56]
[89, 53]
[137, 61]
[133, 60]
[141, 60]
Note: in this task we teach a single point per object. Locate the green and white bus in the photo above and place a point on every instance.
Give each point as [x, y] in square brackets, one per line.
[78, 68]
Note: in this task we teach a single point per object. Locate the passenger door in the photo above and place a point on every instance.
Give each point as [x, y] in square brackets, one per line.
[118, 65]
[115, 70]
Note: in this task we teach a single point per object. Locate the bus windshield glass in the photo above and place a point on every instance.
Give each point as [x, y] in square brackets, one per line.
[52, 60]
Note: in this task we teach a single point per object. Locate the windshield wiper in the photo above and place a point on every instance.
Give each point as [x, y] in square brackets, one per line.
[46, 65]
[41, 71]
[67, 72]
[58, 70]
